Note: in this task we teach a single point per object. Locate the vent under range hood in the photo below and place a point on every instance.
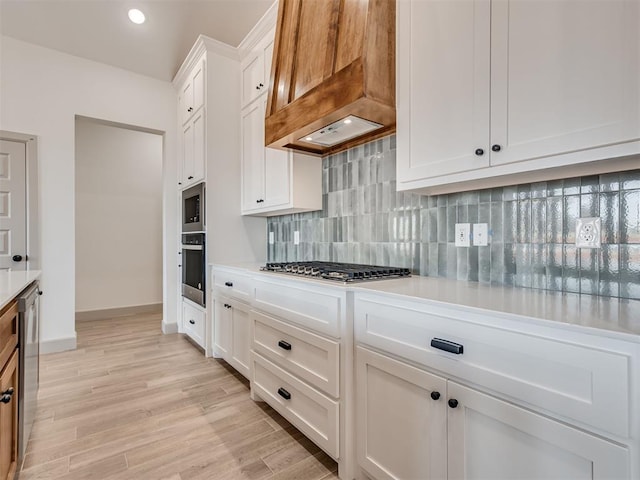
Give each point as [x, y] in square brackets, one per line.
[332, 82]
[340, 131]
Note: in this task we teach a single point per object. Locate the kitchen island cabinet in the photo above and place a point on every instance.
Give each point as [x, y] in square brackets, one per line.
[500, 92]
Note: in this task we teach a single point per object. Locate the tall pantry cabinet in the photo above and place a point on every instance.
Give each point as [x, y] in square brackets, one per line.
[208, 91]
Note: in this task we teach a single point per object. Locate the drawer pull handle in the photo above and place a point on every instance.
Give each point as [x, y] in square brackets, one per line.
[284, 394]
[447, 346]
[192, 322]
[8, 391]
[226, 305]
[228, 284]
[284, 345]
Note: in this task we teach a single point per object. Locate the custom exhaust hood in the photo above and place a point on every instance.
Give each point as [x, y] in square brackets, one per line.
[332, 82]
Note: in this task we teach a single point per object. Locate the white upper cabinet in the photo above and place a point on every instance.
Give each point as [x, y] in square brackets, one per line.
[492, 92]
[193, 138]
[256, 70]
[192, 92]
[274, 182]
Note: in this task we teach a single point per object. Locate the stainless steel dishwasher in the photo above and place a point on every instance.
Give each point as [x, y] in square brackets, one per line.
[29, 366]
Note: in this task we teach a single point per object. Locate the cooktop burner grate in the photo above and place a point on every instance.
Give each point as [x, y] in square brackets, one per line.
[342, 272]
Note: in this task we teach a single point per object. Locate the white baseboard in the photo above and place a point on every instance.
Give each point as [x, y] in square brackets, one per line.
[58, 345]
[119, 312]
[169, 327]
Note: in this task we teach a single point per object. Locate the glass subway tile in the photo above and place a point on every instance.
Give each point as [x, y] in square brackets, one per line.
[609, 272]
[630, 180]
[630, 271]
[570, 214]
[538, 220]
[589, 205]
[610, 217]
[589, 263]
[630, 216]
[590, 184]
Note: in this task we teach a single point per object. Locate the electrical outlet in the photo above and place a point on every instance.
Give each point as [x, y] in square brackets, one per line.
[272, 238]
[296, 237]
[480, 234]
[588, 232]
[463, 234]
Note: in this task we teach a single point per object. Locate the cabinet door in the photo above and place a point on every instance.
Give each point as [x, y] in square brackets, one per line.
[198, 82]
[401, 428]
[193, 323]
[221, 328]
[241, 340]
[253, 157]
[489, 438]
[277, 174]
[193, 158]
[253, 79]
[565, 76]
[443, 87]
[186, 101]
[9, 418]
[188, 153]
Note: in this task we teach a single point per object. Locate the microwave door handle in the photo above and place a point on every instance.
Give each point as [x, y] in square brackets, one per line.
[192, 247]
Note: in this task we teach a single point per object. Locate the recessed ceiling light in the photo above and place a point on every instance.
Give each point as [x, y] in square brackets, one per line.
[136, 16]
[347, 121]
[309, 138]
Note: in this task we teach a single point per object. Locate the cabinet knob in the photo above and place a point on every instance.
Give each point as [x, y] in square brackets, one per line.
[435, 395]
[479, 152]
[190, 177]
[257, 87]
[228, 284]
[192, 322]
[189, 109]
[17, 258]
[226, 305]
[260, 200]
[284, 394]
[261, 85]
[496, 148]
[9, 391]
[453, 403]
[5, 398]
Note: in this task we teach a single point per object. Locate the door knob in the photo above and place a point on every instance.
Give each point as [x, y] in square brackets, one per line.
[17, 258]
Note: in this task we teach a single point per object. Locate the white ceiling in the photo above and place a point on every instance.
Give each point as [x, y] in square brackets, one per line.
[100, 29]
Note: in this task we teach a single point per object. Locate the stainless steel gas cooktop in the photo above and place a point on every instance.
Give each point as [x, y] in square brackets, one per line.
[341, 272]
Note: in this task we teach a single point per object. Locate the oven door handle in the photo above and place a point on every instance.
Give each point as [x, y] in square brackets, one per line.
[192, 247]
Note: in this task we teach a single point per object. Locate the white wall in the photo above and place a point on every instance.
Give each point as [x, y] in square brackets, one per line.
[118, 217]
[42, 91]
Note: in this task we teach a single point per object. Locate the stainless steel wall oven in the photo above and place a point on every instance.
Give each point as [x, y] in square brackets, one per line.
[193, 267]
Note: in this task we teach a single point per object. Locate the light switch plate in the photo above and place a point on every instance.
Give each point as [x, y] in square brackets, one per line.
[480, 234]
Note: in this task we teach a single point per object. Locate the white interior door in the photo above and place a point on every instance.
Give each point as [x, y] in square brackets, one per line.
[13, 203]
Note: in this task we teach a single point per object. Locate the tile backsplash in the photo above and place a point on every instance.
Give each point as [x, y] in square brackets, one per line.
[531, 227]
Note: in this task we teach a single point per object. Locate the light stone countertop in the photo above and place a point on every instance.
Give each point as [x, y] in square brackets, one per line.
[12, 283]
[616, 317]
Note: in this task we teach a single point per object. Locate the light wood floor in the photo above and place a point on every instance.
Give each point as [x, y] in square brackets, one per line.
[131, 403]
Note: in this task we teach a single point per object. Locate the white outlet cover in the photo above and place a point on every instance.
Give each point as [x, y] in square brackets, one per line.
[588, 232]
[463, 234]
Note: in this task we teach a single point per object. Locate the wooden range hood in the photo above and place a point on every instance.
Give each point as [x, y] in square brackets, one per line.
[332, 59]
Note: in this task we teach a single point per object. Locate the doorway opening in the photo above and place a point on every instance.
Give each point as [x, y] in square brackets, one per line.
[118, 219]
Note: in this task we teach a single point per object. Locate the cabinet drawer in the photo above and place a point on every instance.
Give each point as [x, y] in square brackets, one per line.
[310, 411]
[232, 283]
[320, 309]
[8, 331]
[313, 358]
[571, 378]
[193, 322]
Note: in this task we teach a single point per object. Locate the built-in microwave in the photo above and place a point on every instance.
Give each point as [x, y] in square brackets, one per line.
[193, 209]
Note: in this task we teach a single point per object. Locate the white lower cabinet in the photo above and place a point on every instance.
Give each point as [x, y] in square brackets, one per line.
[231, 333]
[401, 419]
[491, 438]
[415, 425]
[193, 322]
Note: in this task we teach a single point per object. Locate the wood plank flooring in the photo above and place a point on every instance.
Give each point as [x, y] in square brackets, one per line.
[132, 403]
